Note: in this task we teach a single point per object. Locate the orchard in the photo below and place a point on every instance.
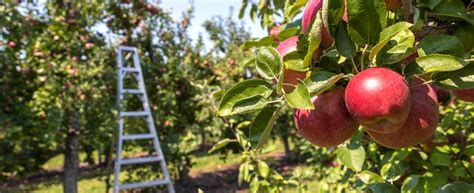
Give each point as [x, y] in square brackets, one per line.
[339, 96]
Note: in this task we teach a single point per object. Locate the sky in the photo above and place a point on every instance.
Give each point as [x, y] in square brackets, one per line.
[206, 9]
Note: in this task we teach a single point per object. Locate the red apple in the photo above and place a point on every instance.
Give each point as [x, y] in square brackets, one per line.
[329, 124]
[11, 44]
[465, 95]
[287, 46]
[274, 32]
[393, 4]
[379, 99]
[290, 77]
[309, 12]
[421, 123]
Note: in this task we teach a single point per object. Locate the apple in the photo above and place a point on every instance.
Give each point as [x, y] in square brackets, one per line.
[393, 4]
[290, 78]
[465, 94]
[287, 46]
[11, 44]
[329, 124]
[379, 99]
[309, 12]
[421, 123]
[274, 33]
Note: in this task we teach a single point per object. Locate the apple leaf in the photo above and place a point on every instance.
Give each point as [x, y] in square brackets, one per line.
[414, 183]
[386, 35]
[269, 63]
[435, 180]
[366, 20]
[320, 81]
[431, 4]
[384, 188]
[369, 177]
[397, 48]
[439, 63]
[456, 187]
[250, 104]
[463, 31]
[288, 32]
[296, 65]
[265, 41]
[352, 156]
[344, 43]
[291, 11]
[441, 44]
[451, 8]
[248, 61]
[262, 169]
[391, 172]
[241, 91]
[221, 144]
[300, 97]
[314, 38]
[440, 159]
[458, 79]
[333, 11]
[262, 126]
[242, 9]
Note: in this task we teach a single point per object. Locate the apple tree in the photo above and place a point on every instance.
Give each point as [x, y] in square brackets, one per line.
[369, 85]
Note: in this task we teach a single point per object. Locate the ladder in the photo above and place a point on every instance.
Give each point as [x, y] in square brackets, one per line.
[146, 113]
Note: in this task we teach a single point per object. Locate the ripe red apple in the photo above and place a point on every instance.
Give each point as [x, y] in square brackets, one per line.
[393, 4]
[329, 124]
[290, 77]
[274, 33]
[11, 44]
[421, 123]
[309, 12]
[379, 99]
[287, 46]
[465, 95]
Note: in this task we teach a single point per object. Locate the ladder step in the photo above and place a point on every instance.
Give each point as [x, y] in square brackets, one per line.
[140, 160]
[129, 70]
[145, 184]
[132, 91]
[138, 136]
[134, 114]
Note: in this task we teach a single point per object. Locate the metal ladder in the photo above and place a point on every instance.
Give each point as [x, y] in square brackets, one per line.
[146, 113]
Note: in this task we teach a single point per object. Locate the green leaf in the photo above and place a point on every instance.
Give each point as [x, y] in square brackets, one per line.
[352, 156]
[439, 63]
[314, 38]
[391, 172]
[269, 63]
[241, 91]
[248, 61]
[384, 188]
[344, 43]
[320, 81]
[263, 169]
[431, 4]
[333, 11]
[243, 172]
[300, 97]
[296, 65]
[397, 48]
[440, 159]
[369, 177]
[265, 41]
[458, 79]
[294, 8]
[248, 105]
[455, 187]
[242, 9]
[386, 35]
[262, 126]
[463, 31]
[366, 20]
[441, 44]
[288, 32]
[221, 144]
[413, 183]
[435, 180]
[451, 8]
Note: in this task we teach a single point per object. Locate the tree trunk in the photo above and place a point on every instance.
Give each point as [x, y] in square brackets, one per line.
[71, 159]
[287, 147]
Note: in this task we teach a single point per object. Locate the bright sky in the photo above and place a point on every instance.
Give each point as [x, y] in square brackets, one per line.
[206, 9]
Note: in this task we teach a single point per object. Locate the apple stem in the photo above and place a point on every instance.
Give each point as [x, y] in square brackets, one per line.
[354, 65]
[469, 60]
[362, 57]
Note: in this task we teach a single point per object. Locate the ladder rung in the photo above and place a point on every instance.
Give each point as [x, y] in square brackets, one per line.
[134, 114]
[137, 136]
[140, 160]
[132, 91]
[145, 184]
[127, 48]
[129, 69]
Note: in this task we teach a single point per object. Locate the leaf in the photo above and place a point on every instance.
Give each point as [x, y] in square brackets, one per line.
[439, 63]
[440, 159]
[455, 187]
[431, 4]
[294, 8]
[458, 79]
[243, 172]
[386, 35]
[451, 8]
[241, 91]
[397, 48]
[366, 20]
[300, 97]
[314, 38]
[414, 183]
[248, 61]
[441, 44]
[242, 9]
[262, 126]
[333, 11]
[352, 156]
[263, 169]
[320, 81]
[269, 62]
[221, 144]
[288, 32]
[463, 31]
[250, 104]
[435, 180]
[296, 65]
[391, 172]
[344, 43]
[265, 41]
[369, 177]
[384, 188]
